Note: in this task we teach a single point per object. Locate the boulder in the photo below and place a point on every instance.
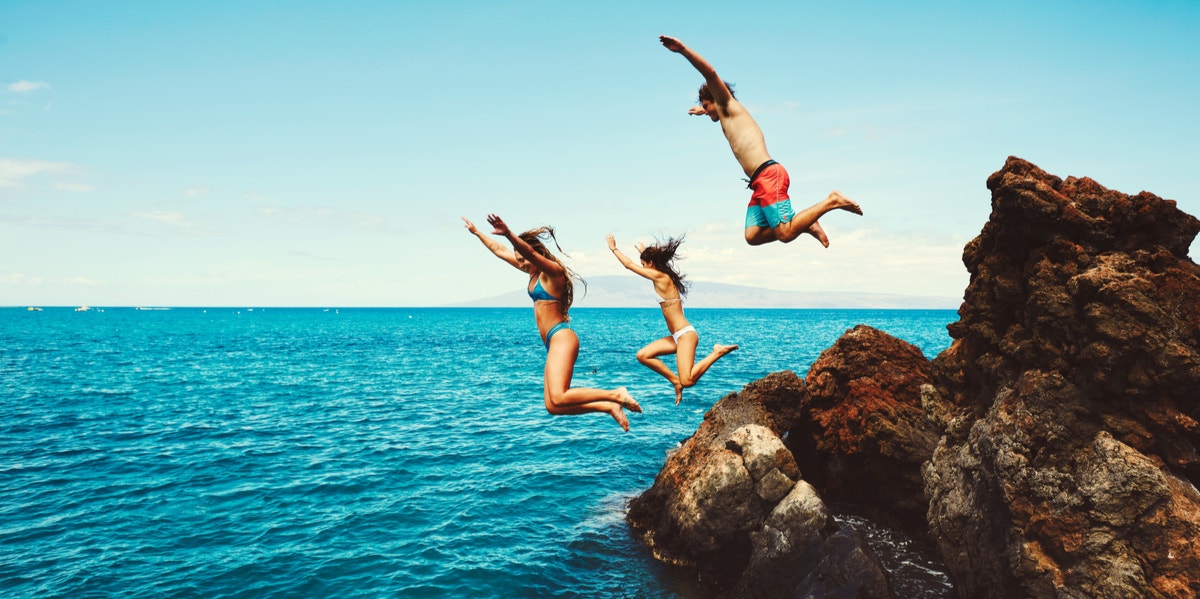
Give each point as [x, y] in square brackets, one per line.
[729, 505]
[864, 436]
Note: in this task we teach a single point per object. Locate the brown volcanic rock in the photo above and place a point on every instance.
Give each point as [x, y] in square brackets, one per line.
[703, 506]
[1070, 464]
[1068, 409]
[864, 436]
[729, 504]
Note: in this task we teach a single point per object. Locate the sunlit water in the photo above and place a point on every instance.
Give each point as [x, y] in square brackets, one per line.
[356, 453]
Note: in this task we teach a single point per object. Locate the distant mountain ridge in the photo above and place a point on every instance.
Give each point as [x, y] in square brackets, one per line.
[635, 292]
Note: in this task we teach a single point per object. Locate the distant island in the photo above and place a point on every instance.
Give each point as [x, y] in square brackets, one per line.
[634, 292]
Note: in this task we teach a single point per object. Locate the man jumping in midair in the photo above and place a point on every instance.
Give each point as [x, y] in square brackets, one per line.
[770, 216]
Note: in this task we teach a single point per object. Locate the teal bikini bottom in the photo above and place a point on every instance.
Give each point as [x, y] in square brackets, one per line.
[554, 329]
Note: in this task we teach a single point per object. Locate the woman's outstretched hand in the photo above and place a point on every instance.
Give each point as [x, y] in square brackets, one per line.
[612, 243]
[498, 226]
[469, 225]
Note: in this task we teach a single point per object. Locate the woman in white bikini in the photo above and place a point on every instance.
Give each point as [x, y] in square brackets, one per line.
[551, 290]
[656, 265]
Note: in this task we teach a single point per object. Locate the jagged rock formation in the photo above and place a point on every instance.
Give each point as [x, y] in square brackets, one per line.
[1069, 464]
[1051, 451]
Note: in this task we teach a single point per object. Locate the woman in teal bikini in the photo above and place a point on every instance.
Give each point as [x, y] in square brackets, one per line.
[551, 290]
[656, 265]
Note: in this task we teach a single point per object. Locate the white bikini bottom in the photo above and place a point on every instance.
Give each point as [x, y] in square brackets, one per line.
[680, 332]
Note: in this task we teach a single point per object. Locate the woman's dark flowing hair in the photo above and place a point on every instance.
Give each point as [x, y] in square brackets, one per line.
[661, 255]
[534, 238]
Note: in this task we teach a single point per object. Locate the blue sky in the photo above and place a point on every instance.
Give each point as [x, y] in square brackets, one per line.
[320, 154]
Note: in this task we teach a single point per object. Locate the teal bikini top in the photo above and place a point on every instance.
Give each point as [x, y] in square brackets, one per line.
[538, 294]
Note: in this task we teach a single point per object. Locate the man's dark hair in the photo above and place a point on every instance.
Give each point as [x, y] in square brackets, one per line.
[706, 94]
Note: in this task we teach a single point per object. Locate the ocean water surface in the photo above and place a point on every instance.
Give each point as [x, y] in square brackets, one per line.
[351, 453]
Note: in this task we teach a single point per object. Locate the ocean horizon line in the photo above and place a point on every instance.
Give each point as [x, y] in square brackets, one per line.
[166, 307]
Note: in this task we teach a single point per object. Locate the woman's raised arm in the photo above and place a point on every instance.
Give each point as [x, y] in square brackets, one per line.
[628, 262]
[540, 262]
[496, 247]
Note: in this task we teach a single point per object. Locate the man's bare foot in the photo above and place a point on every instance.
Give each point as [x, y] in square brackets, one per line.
[836, 200]
[619, 415]
[817, 231]
[627, 401]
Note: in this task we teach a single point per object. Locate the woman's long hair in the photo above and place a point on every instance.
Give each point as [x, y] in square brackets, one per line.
[661, 256]
[534, 238]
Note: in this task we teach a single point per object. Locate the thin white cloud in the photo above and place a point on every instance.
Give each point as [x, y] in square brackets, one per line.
[23, 86]
[195, 190]
[325, 216]
[17, 279]
[173, 218]
[83, 282]
[311, 256]
[13, 172]
[165, 216]
[75, 223]
[74, 187]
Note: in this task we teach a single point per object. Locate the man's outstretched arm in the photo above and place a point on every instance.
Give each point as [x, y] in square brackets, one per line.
[715, 84]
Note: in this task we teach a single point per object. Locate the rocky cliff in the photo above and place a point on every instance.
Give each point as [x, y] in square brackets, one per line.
[1051, 451]
[1069, 466]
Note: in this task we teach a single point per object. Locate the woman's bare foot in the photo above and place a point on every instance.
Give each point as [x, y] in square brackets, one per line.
[678, 392]
[627, 401]
[836, 200]
[619, 415]
[817, 231]
[722, 350]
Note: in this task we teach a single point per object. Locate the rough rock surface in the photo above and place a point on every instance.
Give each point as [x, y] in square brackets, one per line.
[1069, 464]
[863, 436]
[1055, 442]
[727, 504]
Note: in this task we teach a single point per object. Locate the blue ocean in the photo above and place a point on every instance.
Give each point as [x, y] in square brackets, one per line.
[349, 453]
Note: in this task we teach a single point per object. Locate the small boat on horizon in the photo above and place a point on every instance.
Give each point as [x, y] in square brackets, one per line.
[82, 309]
[34, 309]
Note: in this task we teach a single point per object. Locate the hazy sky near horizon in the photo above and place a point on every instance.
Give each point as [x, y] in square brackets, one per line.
[321, 154]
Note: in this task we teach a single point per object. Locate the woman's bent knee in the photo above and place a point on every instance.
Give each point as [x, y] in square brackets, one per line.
[554, 402]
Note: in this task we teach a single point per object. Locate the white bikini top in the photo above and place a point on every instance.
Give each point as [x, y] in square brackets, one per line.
[663, 300]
